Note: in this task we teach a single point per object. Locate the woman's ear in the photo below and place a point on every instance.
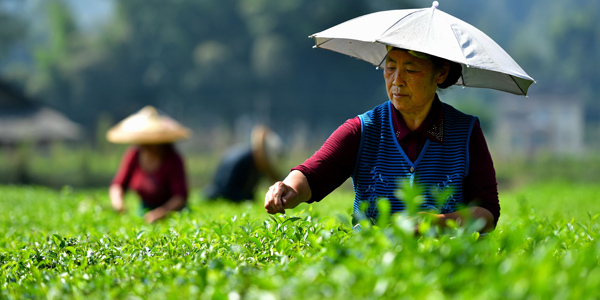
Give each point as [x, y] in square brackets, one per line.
[444, 70]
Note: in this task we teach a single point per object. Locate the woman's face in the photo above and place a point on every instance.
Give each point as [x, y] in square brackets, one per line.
[154, 149]
[411, 82]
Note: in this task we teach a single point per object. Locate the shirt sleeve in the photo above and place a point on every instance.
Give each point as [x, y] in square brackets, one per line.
[480, 187]
[334, 162]
[123, 175]
[177, 178]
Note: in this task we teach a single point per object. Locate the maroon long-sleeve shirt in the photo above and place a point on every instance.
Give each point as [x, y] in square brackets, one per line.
[157, 187]
[334, 162]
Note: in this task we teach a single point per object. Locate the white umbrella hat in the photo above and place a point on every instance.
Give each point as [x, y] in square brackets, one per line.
[432, 31]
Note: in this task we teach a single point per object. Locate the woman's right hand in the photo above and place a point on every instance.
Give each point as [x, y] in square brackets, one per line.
[287, 194]
[115, 193]
[280, 197]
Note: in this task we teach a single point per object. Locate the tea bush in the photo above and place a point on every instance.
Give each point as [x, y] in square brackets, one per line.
[69, 244]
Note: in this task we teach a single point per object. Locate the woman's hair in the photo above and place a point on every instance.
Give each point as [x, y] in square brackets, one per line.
[454, 72]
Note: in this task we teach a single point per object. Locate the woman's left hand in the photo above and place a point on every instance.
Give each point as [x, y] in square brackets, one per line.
[155, 215]
[463, 217]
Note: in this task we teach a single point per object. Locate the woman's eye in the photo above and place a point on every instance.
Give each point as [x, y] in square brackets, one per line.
[411, 71]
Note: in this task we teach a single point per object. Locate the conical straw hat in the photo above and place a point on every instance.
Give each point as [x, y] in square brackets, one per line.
[147, 127]
[267, 150]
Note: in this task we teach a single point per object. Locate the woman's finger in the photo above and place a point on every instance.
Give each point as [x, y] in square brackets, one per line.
[269, 201]
[280, 191]
[273, 199]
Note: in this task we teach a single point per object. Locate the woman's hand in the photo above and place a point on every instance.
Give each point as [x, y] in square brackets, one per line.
[463, 217]
[280, 197]
[115, 193]
[120, 209]
[287, 194]
[155, 215]
[467, 215]
[177, 202]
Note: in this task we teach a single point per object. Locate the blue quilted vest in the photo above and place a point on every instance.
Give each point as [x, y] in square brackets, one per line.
[382, 167]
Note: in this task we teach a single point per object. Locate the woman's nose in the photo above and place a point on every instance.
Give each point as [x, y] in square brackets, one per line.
[398, 80]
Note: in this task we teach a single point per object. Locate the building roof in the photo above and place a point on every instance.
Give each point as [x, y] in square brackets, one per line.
[22, 119]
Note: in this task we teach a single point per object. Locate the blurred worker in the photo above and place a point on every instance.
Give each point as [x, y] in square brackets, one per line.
[242, 167]
[151, 166]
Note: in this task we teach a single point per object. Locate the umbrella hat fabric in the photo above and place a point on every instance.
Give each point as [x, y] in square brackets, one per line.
[431, 31]
[147, 127]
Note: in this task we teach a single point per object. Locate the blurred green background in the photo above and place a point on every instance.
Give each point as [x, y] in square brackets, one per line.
[221, 66]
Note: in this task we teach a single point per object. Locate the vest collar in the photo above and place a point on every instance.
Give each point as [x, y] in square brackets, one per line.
[432, 127]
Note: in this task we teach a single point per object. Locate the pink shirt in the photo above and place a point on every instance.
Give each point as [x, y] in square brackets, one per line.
[155, 188]
[334, 162]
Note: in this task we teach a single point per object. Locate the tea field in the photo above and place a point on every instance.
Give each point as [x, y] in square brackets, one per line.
[68, 244]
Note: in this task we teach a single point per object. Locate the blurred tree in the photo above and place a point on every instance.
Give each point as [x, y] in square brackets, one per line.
[206, 61]
[576, 39]
[13, 31]
[209, 62]
[12, 28]
[52, 58]
[562, 51]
